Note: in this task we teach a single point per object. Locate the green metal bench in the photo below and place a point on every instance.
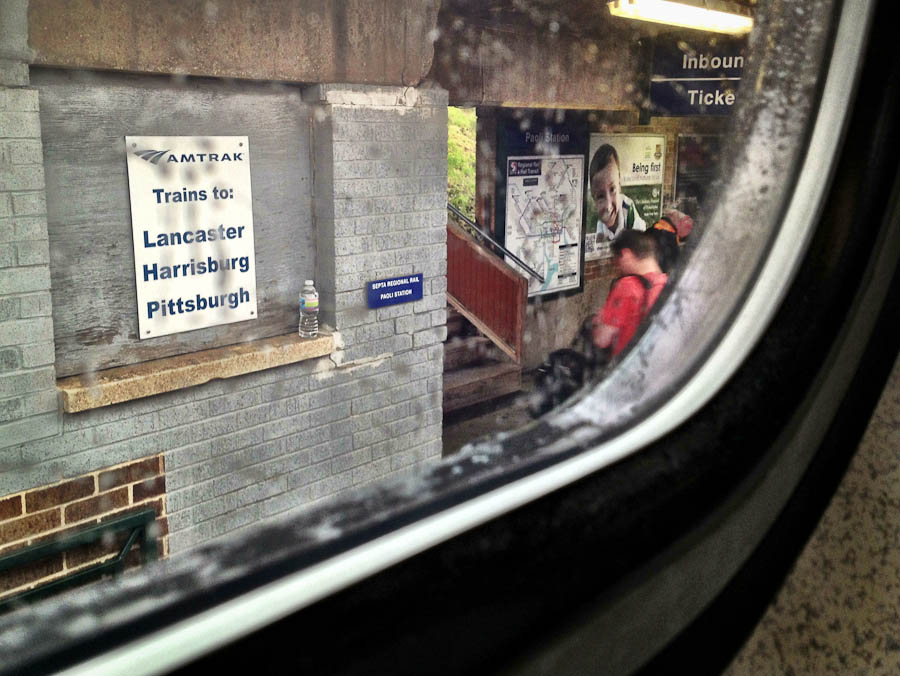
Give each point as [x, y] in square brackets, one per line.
[135, 523]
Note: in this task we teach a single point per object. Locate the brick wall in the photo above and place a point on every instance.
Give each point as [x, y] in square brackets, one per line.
[381, 199]
[290, 437]
[28, 407]
[312, 430]
[56, 510]
[240, 450]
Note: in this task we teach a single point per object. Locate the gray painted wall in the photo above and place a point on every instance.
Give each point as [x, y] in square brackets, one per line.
[84, 117]
[28, 397]
[245, 448]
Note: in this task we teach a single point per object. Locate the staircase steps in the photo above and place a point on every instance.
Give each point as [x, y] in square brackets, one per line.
[469, 351]
[482, 382]
[475, 369]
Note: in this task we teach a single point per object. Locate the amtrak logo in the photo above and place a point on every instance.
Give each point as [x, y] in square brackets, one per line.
[154, 156]
[151, 156]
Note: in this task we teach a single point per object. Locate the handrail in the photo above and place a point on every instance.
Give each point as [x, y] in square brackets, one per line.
[136, 523]
[456, 212]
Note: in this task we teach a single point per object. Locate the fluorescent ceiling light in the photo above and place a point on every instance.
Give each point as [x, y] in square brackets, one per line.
[707, 15]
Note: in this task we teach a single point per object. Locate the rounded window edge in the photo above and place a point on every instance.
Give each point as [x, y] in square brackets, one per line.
[580, 432]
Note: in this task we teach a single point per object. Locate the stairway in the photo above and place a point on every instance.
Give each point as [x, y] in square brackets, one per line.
[475, 370]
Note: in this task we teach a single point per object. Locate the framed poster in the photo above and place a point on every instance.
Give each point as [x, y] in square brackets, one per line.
[539, 211]
[543, 219]
[192, 229]
[624, 187]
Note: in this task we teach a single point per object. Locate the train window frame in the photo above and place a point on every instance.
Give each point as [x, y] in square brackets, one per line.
[600, 427]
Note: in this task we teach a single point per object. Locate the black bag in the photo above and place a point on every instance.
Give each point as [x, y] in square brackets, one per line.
[666, 248]
[557, 379]
[565, 371]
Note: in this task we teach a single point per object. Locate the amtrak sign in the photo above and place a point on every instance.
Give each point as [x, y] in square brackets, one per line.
[192, 230]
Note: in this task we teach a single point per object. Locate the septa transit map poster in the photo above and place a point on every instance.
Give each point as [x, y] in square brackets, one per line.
[544, 219]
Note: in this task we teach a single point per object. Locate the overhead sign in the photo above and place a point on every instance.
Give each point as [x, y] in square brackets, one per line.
[696, 79]
[384, 292]
[192, 229]
[638, 201]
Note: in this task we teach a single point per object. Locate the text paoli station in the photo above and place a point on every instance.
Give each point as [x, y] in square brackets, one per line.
[383, 292]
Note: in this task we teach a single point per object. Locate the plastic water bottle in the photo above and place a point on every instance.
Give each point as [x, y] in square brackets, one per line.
[309, 310]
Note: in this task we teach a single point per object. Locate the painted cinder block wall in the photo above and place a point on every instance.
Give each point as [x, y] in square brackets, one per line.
[372, 199]
[28, 399]
[242, 449]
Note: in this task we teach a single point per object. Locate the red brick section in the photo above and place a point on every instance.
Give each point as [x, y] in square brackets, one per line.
[150, 488]
[86, 554]
[17, 529]
[30, 573]
[89, 554]
[105, 502]
[48, 512]
[155, 505]
[10, 507]
[130, 473]
[592, 270]
[60, 494]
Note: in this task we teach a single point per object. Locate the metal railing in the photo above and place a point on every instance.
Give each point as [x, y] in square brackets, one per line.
[481, 233]
[135, 524]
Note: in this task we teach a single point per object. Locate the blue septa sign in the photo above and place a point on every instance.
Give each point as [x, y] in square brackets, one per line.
[383, 292]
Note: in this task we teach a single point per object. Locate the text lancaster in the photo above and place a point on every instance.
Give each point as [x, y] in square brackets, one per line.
[166, 307]
[194, 236]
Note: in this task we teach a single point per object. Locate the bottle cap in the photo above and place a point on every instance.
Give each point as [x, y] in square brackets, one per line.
[308, 282]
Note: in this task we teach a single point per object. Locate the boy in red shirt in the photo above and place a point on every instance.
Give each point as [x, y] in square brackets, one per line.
[633, 294]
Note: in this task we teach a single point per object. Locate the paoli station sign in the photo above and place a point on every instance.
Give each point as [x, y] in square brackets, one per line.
[192, 227]
[696, 79]
[384, 292]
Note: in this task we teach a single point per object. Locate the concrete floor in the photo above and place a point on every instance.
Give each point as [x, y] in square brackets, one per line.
[501, 415]
[838, 611]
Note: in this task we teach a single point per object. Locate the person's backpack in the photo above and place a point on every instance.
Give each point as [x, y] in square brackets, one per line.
[646, 283]
[666, 244]
[670, 232]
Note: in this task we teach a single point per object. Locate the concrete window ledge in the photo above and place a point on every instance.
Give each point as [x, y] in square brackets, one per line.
[113, 386]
